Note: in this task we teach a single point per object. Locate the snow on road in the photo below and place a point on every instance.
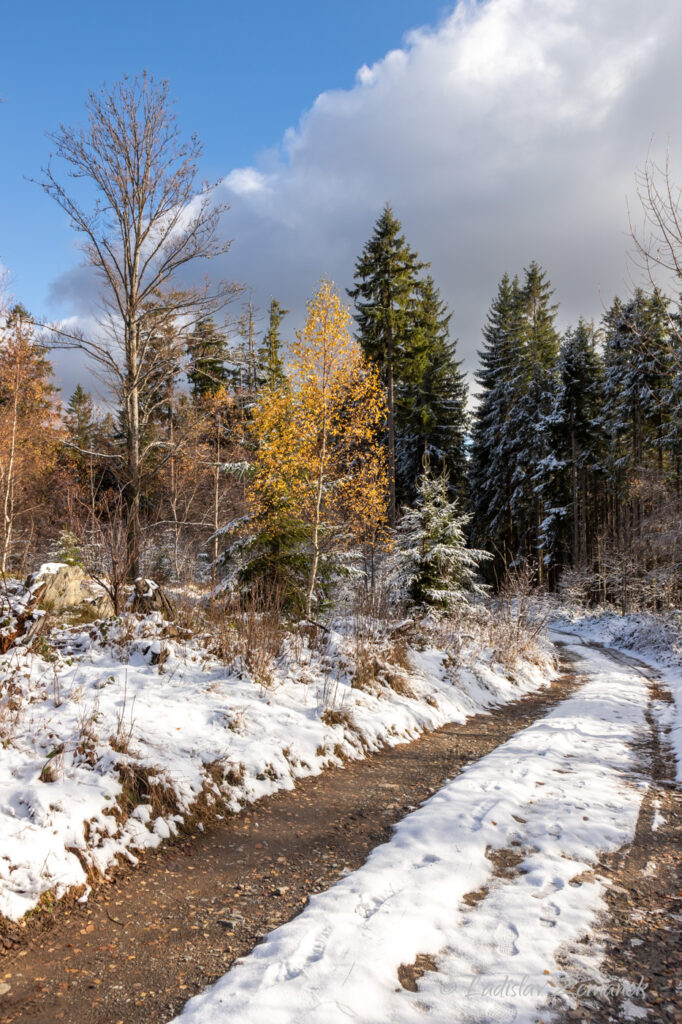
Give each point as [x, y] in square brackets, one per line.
[557, 794]
[657, 639]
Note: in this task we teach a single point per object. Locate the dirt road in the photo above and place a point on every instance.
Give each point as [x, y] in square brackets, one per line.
[160, 933]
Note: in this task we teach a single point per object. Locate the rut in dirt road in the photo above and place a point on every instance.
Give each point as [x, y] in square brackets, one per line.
[641, 931]
[157, 935]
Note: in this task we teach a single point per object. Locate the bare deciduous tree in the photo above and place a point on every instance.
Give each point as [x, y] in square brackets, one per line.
[144, 232]
[103, 536]
[657, 242]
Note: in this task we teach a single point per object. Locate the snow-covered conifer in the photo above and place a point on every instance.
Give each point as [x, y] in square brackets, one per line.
[434, 566]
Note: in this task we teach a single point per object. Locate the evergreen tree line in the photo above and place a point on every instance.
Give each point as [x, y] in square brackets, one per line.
[570, 461]
[575, 451]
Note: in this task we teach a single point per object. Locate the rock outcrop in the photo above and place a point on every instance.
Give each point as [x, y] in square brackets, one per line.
[67, 588]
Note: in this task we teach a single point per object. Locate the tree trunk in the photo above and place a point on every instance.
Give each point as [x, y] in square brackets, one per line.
[584, 536]
[316, 524]
[391, 430]
[8, 502]
[133, 452]
[539, 546]
[574, 490]
[216, 507]
[174, 498]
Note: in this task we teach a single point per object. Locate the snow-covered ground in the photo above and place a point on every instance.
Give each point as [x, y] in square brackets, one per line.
[112, 732]
[657, 639]
[557, 795]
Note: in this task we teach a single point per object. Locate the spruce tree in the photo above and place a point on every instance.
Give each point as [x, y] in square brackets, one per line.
[539, 314]
[386, 278]
[513, 471]
[81, 432]
[578, 441]
[79, 418]
[434, 565]
[638, 380]
[207, 350]
[492, 451]
[271, 369]
[673, 431]
[638, 373]
[243, 357]
[431, 416]
[533, 504]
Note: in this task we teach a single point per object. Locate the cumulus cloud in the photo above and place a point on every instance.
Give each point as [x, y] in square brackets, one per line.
[509, 132]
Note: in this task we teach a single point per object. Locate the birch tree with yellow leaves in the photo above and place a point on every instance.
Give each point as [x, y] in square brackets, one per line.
[320, 468]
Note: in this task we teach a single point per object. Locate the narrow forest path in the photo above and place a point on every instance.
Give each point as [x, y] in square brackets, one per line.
[159, 934]
[641, 930]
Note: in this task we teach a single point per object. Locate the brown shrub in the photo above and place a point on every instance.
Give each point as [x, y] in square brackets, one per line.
[337, 716]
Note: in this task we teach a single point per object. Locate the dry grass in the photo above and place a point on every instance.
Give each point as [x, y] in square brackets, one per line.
[86, 737]
[397, 653]
[247, 633]
[366, 667]
[337, 716]
[190, 616]
[377, 606]
[140, 785]
[510, 624]
[396, 666]
[11, 709]
[382, 663]
[234, 775]
[125, 723]
[517, 621]
[54, 765]
[398, 680]
[83, 615]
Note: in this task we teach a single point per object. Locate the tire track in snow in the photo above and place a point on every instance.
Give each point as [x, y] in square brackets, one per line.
[563, 790]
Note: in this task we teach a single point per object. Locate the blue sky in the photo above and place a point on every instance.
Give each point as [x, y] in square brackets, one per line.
[242, 74]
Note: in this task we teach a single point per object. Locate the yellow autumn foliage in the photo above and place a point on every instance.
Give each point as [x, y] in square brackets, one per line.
[29, 434]
[320, 460]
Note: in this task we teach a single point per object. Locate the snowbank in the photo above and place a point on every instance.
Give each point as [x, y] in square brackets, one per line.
[113, 732]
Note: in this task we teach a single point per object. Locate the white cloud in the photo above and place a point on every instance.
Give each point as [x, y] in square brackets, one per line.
[245, 180]
[509, 132]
